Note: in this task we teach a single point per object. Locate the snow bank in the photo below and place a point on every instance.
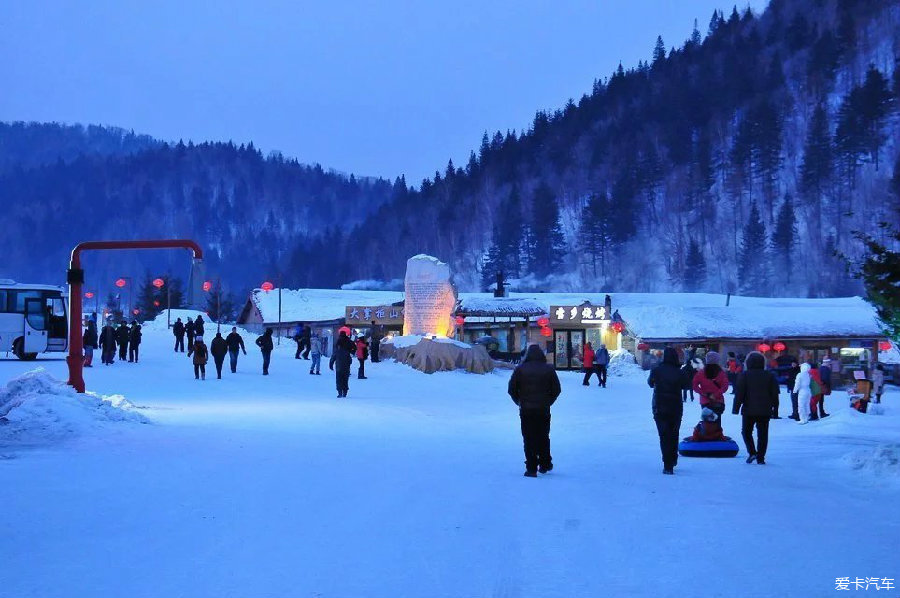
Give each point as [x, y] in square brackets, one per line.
[395, 284]
[622, 363]
[36, 408]
[882, 462]
[404, 342]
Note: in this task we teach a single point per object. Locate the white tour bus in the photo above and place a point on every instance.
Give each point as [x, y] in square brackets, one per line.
[32, 319]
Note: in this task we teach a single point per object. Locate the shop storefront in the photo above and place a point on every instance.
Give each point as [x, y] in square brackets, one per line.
[575, 325]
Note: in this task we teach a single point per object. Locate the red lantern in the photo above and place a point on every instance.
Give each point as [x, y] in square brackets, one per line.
[267, 286]
[779, 346]
[884, 346]
[543, 322]
[135, 311]
[460, 320]
[158, 283]
[643, 346]
[207, 286]
[121, 283]
[763, 348]
[617, 327]
[89, 295]
[156, 304]
[546, 331]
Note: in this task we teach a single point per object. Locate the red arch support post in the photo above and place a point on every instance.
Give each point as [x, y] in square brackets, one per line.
[75, 278]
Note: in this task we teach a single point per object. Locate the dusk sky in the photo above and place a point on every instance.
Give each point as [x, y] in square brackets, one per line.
[372, 88]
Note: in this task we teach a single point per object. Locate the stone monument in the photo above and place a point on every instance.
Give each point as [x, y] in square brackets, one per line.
[430, 298]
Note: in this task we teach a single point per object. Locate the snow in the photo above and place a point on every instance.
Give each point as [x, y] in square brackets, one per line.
[316, 305]
[891, 356]
[162, 323]
[413, 486]
[402, 342]
[512, 306]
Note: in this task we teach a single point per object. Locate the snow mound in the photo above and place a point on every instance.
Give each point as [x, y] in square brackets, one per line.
[882, 462]
[36, 408]
[404, 342]
[622, 363]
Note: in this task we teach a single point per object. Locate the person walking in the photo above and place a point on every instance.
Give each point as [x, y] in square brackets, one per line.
[376, 343]
[266, 345]
[316, 352]
[134, 342]
[601, 361]
[190, 331]
[305, 337]
[362, 354]
[755, 396]
[803, 390]
[667, 381]
[878, 381]
[825, 376]
[123, 333]
[341, 360]
[89, 341]
[791, 380]
[816, 388]
[711, 384]
[108, 344]
[235, 343]
[298, 337]
[587, 361]
[219, 348]
[200, 357]
[534, 387]
[178, 331]
[199, 328]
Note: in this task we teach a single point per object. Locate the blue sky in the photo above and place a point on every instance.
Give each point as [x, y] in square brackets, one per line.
[373, 88]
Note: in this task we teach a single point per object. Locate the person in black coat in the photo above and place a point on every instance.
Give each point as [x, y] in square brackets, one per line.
[376, 342]
[667, 381]
[755, 395]
[134, 342]
[89, 342]
[266, 345]
[218, 348]
[534, 387]
[235, 343]
[123, 334]
[108, 344]
[340, 363]
[198, 326]
[191, 332]
[178, 331]
[306, 341]
[791, 380]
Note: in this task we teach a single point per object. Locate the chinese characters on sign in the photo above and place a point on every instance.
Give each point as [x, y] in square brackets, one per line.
[382, 315]
[864, 583]
[577, 315]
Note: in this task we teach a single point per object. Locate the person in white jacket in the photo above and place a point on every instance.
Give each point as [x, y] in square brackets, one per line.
[804, 393]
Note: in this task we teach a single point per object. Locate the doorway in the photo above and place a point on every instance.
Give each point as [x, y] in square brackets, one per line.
[569, 348]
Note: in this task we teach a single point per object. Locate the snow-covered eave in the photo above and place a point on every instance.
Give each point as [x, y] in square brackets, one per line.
[785, 337]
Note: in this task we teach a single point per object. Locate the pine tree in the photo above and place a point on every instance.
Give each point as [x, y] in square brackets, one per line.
[220, 305]
[876, 99]
[784, 236]
[753, 264]
[595, 235]
[547, 247]
[694, 276]
[491, 263]
[818, 160]
[880, 273]
[695, 35]
[659, 51]
[147, 299]
[714, 22]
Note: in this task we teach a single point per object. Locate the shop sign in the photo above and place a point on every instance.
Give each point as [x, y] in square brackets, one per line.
[579, 315]
[382, 315]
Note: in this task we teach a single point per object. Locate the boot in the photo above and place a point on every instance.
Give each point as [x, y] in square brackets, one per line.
[751, 458]
[545, 468]
[669, 471]
[530, 473]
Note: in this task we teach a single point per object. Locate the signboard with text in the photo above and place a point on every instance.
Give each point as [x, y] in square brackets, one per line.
[382, 315]
[579, 315]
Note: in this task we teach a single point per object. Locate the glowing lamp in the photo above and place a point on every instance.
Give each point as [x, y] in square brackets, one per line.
[763, 348]
[121, 283]
[617, 327]
[543, 322]
[135, 311]
[779, 346]
[546, 331]
[267, 286]
[89, 295]
[158, 283]
[156, 304]
[207, 286]
[884, 346]
[460, 320]
[643, 346]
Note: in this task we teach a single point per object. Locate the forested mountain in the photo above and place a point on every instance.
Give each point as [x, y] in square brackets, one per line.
[739, 160]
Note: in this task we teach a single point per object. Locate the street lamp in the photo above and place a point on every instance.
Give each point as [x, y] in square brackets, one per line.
[268, 286]
[207, 287]
[160, 283]
[96, 297]
[122, 282]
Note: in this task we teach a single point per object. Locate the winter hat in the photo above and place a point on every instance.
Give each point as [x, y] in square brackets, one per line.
[712, 358]
[708, 415]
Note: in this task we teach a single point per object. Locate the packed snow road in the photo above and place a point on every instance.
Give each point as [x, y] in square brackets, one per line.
[413, 486]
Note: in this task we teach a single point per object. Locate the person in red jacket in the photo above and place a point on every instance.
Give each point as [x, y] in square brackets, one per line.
[588, 363]
[814, 400]
[362, 354]
[711, 383]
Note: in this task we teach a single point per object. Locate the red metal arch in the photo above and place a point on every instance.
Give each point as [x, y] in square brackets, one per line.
[75, 278]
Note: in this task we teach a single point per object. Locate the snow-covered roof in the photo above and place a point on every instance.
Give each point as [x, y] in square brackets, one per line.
[647, 315]
[478, 305]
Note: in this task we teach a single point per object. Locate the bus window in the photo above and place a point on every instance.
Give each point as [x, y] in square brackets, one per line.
[21, 296]
[36, 314]
[56, 308]
[3, 306]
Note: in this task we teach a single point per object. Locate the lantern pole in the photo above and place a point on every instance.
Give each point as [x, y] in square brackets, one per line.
[168, 304]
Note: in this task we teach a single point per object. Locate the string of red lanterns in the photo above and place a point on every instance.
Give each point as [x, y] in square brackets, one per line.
[267, 286]
[617, 327]
[121, 283]
[884, 345]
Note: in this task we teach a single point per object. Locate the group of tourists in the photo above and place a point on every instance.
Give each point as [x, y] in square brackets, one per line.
[345, 349]
[125, 338]
[199, 353]
[595, 362]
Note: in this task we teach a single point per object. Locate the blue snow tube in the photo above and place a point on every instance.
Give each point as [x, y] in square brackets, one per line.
[711, 448]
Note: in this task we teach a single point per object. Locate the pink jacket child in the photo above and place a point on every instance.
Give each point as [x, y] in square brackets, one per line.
[711, 383]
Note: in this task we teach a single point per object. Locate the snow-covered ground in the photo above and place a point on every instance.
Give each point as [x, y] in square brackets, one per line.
[413, 486]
